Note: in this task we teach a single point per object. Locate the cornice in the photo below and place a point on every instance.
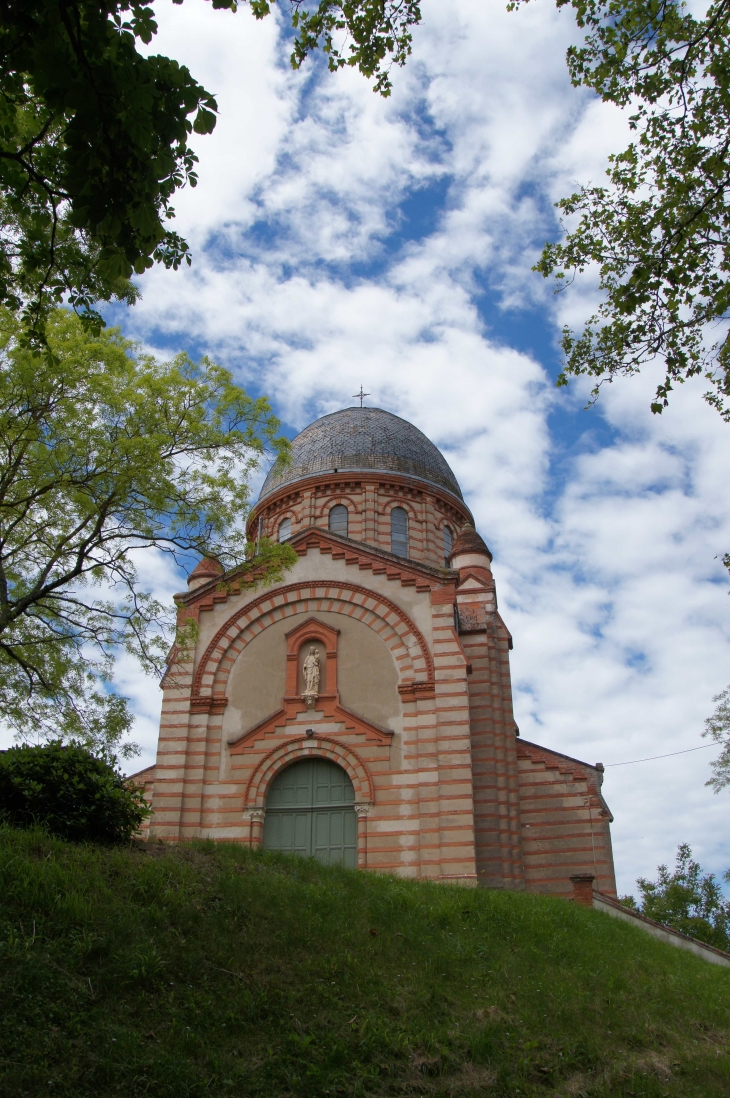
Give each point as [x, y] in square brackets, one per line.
[362, 476]
[371, 556]
[567, 763]
[294, 709]
[409, 573]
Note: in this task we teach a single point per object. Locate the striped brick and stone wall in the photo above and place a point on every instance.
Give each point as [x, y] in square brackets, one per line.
[414, 785]
[415, 703]
[565, 821]
[369, 501]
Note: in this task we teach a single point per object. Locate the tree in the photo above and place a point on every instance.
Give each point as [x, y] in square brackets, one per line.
[659, 232]
[686, 900]
[94, 137]
[717, 727]
[71, 792]
[105, 454]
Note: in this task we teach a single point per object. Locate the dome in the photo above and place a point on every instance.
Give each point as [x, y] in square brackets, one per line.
[206, 569]
[361, 440]
[469, 541]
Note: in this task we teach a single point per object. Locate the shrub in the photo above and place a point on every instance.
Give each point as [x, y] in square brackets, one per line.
[69, 791]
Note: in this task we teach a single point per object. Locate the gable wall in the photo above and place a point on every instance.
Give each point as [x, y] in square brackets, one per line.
[420, 819]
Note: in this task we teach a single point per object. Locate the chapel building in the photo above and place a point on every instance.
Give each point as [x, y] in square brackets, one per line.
[360, 711]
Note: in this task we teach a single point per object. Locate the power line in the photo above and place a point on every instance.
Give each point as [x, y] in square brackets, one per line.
[654, 757]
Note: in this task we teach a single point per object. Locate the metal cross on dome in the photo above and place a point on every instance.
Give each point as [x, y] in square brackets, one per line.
[361, 395]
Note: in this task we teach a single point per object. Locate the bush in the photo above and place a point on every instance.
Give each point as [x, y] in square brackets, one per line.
[71, 792]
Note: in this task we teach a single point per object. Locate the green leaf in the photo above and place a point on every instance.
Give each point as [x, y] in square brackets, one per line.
[204, 121]
[659, 232]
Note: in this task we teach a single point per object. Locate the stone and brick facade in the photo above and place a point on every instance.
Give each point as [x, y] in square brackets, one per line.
[415, 700]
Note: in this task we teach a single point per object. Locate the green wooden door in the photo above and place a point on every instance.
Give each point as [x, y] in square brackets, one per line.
[309, 812]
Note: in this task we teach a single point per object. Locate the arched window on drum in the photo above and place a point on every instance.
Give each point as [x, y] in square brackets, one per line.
[448, 544]
[285, 529]
[399, 532]
[338, 519]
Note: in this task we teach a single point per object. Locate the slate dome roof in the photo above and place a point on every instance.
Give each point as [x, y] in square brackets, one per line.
[363, 439]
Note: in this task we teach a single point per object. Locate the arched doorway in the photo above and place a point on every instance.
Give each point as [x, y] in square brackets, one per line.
[309, 811]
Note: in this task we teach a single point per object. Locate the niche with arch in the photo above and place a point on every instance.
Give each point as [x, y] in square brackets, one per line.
[367, 669]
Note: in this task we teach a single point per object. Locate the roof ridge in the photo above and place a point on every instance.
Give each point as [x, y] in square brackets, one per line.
[552, 751]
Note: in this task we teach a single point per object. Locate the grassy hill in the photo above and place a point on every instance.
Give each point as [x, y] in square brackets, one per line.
[209, 971]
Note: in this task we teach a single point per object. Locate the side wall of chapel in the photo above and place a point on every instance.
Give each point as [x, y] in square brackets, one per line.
[566, 823]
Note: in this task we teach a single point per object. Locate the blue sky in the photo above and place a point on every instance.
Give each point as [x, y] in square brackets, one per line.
[341, 239]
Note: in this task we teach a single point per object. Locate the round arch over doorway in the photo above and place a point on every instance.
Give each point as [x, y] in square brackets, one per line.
[310, 811]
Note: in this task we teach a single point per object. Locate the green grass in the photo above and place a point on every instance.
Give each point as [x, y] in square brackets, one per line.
[210, 971]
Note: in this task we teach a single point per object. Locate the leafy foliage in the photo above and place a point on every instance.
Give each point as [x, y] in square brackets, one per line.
[659, 232]
[70, 792]
[95, 137]
[686, 900]
[93, 144]
[212, 970]
[105, 455]
[717, 727]
[371, 32]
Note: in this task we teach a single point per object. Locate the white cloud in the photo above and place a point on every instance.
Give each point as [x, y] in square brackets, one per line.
[604, 551]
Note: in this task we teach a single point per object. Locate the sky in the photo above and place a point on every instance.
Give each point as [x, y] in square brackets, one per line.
[340, 239]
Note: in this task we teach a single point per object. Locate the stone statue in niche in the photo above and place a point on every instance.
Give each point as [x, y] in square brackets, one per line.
[311, 676]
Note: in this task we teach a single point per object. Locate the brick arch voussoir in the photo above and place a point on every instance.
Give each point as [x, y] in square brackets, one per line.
[323, 509]
[407, 657]
[325, 747]
[408, 506]
[402, 635]
[286, 512]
